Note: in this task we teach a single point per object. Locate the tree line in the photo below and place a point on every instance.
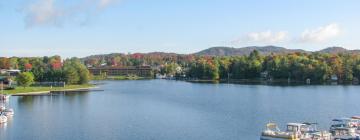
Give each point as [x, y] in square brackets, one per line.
[49, 69]
[294, 66]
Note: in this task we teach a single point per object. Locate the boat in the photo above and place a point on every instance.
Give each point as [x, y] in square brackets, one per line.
[8, 112]
[344, 133]
[346, 128]
[346, 123]
[294, 131]
[3, 118]
[4, 97]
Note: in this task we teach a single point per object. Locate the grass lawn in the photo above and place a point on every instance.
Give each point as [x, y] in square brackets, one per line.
[39, 89]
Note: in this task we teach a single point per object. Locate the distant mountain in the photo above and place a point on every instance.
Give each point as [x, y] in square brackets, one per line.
[336, 50]
[228, 51]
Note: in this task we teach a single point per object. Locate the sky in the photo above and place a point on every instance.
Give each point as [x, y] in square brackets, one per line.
[86, 27]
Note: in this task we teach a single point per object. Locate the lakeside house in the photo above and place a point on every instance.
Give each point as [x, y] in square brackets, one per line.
[13, 72]
[334, 77]
[142, 71]
[10, 72]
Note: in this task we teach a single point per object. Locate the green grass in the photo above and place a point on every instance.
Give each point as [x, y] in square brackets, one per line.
[40, 89]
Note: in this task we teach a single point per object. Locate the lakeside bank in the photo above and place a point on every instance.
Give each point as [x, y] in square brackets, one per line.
[20, 91]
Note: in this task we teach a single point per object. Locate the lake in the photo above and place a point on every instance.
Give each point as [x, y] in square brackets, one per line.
[175, 110]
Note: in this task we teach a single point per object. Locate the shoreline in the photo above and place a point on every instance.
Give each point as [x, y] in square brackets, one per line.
[272, 82]
[46, 92]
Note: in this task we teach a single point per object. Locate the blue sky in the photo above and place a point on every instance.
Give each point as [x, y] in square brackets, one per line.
[85, 27]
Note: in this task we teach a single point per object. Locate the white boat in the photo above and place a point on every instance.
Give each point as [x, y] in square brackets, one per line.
[346, 128]
[4, 97]
[3, 118]
[294, 131]
[344, 133]
[8, 112]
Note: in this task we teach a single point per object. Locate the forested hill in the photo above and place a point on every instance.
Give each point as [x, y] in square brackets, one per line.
[156, 58]
[336, 50]
[266, 50]
[229, 51]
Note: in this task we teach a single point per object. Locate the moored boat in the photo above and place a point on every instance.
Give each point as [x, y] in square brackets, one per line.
[8, 112]
[4, 97]
[294, 131]
[345, 129]
[3, 118]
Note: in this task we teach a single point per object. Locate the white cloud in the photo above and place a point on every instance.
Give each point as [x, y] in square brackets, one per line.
[263, 37]
[105, 3]
[53, 12]
[320, 34]
[43, 12]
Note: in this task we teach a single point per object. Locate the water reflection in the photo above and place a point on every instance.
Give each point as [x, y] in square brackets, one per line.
[54, 97]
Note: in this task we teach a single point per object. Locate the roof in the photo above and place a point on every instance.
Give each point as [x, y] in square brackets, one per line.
[13, 70]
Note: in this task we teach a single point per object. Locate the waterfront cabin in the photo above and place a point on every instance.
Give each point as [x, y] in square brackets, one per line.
[334, 77]
[160, 76]
[264, 75]
[13, 72]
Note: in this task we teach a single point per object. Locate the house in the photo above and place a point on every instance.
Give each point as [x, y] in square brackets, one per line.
[179, 69]
[160, 76]
[264, 74]
[13, 72]
[334, 77]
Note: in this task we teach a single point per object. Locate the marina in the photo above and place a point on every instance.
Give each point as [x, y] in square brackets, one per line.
[5, 112]
[341, 129]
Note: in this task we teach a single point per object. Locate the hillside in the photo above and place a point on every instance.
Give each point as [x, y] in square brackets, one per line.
[266, 50]
[336, 50]
[228, 51]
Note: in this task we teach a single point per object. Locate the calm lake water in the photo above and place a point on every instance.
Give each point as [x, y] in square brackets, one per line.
[175, 110]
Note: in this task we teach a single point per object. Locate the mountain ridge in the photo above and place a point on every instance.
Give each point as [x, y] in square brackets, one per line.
[231, 51]
[267, 50]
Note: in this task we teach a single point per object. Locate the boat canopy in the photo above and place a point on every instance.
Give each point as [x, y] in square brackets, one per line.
[310, 123]
[343, 119]
[296, 124]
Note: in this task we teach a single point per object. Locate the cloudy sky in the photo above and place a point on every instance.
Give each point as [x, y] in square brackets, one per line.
[85, 27]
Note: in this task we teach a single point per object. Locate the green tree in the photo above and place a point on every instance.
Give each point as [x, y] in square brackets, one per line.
[25, 79]
[71, 75]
